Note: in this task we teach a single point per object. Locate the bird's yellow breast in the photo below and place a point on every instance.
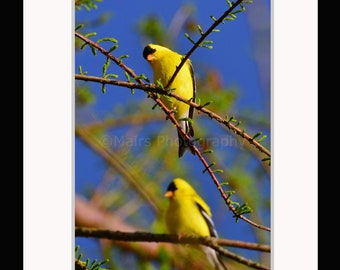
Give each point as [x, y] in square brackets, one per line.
[184, 218]
[164, 67]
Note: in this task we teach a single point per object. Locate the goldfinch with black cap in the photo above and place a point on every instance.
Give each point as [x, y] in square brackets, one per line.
[189, 214]
[164, 63]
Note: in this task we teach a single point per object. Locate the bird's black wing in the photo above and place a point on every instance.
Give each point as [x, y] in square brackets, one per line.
[208, 220]
[191, 110]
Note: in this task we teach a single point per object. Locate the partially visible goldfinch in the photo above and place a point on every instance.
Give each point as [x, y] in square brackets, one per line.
[189, 214]
[164, 62]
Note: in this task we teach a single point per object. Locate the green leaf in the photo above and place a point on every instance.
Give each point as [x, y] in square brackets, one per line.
[207, 42]
[79, 26]
[87, 4]
[87, 262]
[93, 49]
[206, 104]
[83, 45]
[81, 71]
[229, 193]
[234, 203]
[186, 119]
[210, 165]
[262, 138]
[114, 47]
[208, 151]
[110, 75]
[256, 135]
[141, 77]
[106, 65]
[105, 261]
[188, 37]
[154, 106]
[232, 119]
[111, 39]
[241, 210]
[200, 29]
[238, 122]
[238, 11]
[99, 264]
[229, 18]
[123, 56]
[213, 18]
[159, 84]
[127, 76]
[90, 34]
[103, 88]
[93, 263]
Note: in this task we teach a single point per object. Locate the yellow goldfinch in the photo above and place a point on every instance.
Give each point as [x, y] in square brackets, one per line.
[164, 62]
[189, 214]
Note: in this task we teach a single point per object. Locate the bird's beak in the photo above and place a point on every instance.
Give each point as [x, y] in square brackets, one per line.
[169, 194]
[150, 57]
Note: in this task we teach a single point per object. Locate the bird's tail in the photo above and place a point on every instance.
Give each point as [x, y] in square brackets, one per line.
[184, 143]
[214, 259]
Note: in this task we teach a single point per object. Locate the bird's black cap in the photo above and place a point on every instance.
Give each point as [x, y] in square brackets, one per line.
[147, 50]
[172, 187]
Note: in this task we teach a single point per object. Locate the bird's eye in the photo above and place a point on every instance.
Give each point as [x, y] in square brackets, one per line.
[148, 50]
